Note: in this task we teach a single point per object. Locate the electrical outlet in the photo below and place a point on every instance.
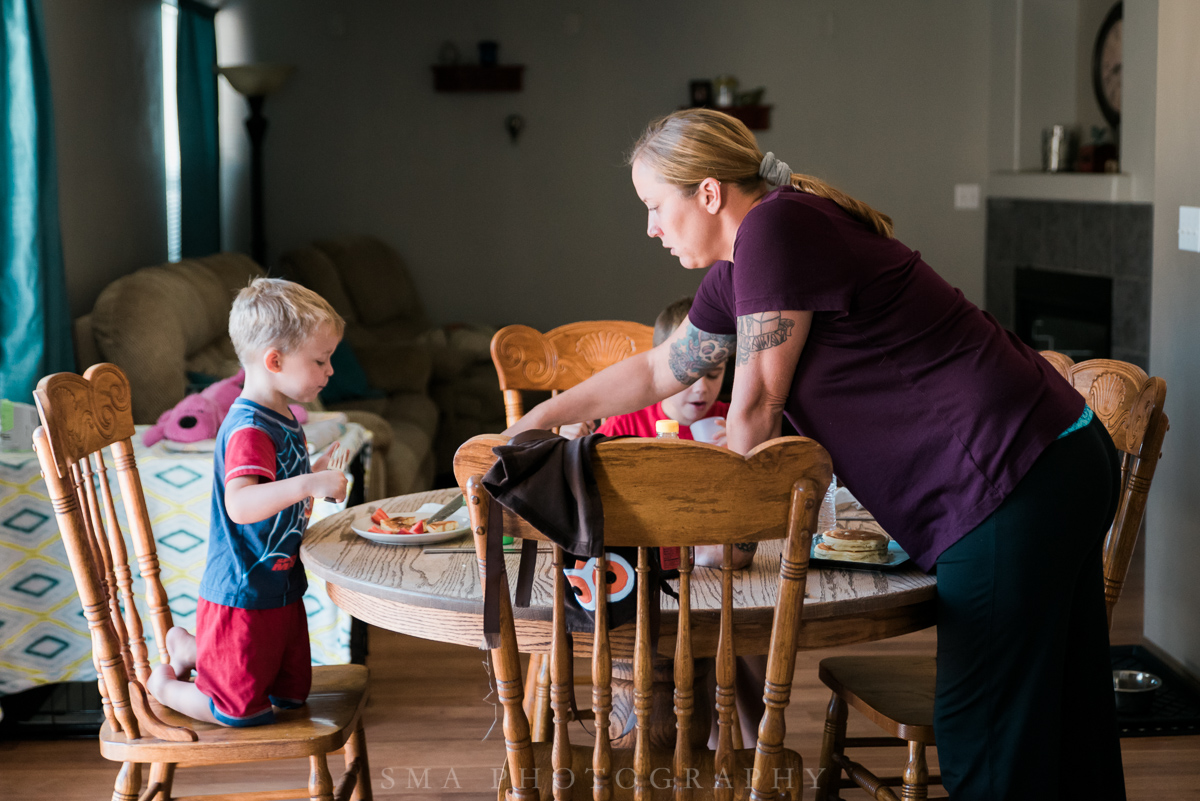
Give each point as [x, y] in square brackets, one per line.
[966, 196]
[1189, 228]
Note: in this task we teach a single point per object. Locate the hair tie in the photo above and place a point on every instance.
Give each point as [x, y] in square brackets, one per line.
[774, 171]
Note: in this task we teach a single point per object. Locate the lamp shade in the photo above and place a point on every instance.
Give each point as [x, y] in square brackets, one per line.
[257, 80]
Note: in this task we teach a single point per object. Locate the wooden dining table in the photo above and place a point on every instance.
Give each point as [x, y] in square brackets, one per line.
[437, 596]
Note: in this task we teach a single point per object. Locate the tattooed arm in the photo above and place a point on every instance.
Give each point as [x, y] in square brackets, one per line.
[768, 349]
[634, 383]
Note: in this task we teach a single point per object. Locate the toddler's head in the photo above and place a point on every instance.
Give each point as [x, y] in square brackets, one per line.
[289, 332]
[691, 404]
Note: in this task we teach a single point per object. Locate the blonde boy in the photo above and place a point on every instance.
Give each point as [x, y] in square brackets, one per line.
[251, 648]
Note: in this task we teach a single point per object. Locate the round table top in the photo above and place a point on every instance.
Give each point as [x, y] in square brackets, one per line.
[438, 596]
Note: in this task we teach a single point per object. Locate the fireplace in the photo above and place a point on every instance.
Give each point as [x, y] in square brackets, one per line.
[1066, 312]
[1085, 268]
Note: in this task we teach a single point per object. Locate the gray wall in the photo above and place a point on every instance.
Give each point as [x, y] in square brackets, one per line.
[886, 100]
[1173, 532]
[106, 78]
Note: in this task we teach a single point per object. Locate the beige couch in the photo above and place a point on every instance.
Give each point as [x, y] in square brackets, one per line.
[367, 282]
[160, 323]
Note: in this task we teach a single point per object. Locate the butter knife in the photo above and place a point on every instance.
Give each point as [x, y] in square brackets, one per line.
[447, 510]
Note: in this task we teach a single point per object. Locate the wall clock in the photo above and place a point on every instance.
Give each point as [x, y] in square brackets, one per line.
[1106, 66]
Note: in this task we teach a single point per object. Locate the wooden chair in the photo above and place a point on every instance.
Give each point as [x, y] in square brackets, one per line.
[662, 494]
[527, 361]
[80, 417]
[897, 693]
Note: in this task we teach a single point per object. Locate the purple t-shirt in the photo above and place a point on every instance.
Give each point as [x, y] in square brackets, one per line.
[931, 411]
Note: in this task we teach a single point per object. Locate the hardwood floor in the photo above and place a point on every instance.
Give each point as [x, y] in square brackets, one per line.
[428, 717]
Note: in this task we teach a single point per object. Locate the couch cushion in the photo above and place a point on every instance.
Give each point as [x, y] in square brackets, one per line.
[313, 268]
[348, 381]
[376, 281]
[152, 321]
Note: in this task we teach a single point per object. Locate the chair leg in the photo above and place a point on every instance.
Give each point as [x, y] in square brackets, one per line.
[320, 783]
[356, 748]
[537, 698]
[829, 773]
[162, 773]
[129, 782]
[916, 774]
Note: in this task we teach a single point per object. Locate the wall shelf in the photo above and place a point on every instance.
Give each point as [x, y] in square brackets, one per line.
[477, 78]
[756, 118]
[1084, 187]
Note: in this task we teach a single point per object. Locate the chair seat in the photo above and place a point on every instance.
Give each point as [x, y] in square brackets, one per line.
[323, 725]
[894, 692]
[662, 762]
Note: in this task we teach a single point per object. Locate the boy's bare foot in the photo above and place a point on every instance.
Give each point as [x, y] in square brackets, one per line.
[181, 646]
[158, 681]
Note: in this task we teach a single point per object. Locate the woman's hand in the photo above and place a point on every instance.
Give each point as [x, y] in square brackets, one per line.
[576, 430]
[714, 555]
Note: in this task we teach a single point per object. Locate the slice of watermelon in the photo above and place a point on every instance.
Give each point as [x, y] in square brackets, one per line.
[378, 516]
[418, 528]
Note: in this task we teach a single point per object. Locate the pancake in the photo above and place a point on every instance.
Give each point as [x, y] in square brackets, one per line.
[853, 545]
[855, 539]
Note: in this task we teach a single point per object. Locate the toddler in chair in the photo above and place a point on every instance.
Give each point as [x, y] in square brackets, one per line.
[251, 650]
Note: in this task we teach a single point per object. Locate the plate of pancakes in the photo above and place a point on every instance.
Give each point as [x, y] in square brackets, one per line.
[863, 546]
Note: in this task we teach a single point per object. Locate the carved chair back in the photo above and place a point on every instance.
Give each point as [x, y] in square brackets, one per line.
[657, 494]
[81, 416]
[528, 360]
[1130, 404]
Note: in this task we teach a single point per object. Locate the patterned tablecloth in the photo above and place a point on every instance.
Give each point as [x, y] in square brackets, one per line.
[43, 635]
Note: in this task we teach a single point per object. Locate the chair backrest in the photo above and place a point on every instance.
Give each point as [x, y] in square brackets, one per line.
[80, 417]
[528, 360]
[1130, 404]
[658, 493]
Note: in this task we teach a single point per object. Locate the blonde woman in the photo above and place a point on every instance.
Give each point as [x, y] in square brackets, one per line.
[968, 447]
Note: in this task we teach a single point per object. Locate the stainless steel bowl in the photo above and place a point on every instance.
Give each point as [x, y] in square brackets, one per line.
[1134, 690]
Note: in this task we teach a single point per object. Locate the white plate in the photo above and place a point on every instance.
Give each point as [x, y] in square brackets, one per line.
[362, 525]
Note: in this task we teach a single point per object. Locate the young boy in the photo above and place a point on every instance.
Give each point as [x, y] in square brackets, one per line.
[697, 402]
[251, 648]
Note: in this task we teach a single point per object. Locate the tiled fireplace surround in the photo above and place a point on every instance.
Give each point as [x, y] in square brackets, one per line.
[1099, 239]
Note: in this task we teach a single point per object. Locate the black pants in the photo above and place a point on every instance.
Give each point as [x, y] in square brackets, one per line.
[1024, 705]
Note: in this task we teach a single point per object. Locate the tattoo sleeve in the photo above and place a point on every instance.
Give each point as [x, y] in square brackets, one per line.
[748, 547]
[761, 331]
[697, 352]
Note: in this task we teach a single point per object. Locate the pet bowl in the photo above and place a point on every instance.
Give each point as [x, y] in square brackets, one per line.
[1134, 690]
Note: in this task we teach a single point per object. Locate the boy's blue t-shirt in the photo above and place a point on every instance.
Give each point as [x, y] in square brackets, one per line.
[257, 565]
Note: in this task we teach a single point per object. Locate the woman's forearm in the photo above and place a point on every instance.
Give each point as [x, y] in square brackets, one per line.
[626, 386]
[748, 427]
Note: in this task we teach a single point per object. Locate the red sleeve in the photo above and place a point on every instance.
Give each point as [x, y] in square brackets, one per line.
[250, 452]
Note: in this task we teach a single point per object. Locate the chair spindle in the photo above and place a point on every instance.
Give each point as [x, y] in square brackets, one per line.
[561, 687]
[601, 688]
[685, 680]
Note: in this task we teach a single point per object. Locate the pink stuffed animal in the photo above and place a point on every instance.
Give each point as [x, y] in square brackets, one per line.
[199, 416]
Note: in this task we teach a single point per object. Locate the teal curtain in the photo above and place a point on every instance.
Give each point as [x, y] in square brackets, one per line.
[35, 320]
[200, 197]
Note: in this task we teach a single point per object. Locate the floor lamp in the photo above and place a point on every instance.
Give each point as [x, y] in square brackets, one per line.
[255, 82]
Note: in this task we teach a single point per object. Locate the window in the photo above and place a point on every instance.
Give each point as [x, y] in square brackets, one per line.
[170, 29]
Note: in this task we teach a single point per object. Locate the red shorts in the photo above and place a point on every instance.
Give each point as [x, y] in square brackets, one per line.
[250, 659]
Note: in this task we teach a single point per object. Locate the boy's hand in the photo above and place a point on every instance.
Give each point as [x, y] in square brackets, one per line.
[323, 462]
[328, 484]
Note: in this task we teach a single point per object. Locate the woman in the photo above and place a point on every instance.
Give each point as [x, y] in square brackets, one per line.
[970, 450]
